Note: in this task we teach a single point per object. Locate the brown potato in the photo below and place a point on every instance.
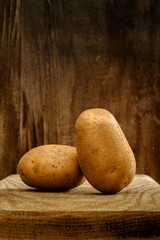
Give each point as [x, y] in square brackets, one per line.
[51, 167]
[104, 154]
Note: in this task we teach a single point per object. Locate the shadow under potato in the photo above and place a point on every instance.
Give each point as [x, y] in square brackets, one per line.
[70, 191]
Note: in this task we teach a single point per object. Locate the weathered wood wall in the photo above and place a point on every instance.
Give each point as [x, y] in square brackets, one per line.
[60, 57]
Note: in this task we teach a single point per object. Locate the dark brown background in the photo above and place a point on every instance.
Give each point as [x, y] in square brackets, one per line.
[60, 57]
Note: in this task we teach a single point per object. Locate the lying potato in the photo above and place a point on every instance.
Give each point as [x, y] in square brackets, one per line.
[51, 167]
[104, 154]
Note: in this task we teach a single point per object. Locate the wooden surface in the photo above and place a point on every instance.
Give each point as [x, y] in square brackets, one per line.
[80, 213]
[58, 58]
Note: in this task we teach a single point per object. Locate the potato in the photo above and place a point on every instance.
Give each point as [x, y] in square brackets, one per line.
[51, 167]
[104, 154]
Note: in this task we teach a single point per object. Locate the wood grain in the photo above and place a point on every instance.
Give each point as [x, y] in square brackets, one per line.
[59, 58]
[81, 213]
[142, 194]
[10, 67]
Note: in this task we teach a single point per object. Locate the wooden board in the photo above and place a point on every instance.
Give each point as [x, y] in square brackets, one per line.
[58, 58]
[10, 67]
[80, 213]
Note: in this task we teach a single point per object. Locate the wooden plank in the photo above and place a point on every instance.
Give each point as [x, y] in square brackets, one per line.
[142, 194]
[38, 124]
[106, 225]
[10, 67]
[80, 213]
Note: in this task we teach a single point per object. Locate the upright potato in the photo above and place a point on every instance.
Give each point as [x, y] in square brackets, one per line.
[104, 154]
[51, 167]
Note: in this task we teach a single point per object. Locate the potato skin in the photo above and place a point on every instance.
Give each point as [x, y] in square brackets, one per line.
[51, 167]
[104, 154]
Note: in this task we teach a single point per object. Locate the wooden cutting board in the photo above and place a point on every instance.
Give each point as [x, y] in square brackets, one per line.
[80, 213]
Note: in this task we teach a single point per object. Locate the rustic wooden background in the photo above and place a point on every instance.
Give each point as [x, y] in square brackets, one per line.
[60, 57]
